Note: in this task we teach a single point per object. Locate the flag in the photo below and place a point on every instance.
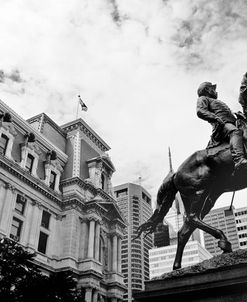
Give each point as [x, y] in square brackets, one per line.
[83, 105]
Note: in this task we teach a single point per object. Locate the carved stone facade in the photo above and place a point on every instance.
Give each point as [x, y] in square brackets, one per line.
[52, 204]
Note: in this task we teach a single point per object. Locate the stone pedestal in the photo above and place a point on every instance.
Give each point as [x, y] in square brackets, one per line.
[222, 278]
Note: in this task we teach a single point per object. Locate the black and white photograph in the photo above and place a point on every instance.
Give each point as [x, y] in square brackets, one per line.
[123, 151]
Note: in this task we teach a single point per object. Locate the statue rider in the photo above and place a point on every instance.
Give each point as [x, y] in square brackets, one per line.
[219, 115]
[243, 94]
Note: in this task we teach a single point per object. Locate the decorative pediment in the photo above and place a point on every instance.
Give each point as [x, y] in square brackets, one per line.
[113, 212]
[102, 162]
[30, 144]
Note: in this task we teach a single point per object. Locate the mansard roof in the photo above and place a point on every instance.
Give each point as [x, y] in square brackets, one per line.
[43, 118]
[88, 131]
[25, 127]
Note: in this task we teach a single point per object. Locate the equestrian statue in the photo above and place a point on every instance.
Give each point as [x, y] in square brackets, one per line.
[206, 174]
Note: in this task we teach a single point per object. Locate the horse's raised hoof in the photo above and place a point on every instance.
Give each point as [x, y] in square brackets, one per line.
[225, 246]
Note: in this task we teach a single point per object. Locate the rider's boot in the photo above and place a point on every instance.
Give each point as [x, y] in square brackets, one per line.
[237, 150]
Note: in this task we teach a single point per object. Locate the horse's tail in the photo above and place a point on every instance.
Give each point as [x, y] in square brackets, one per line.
[165, 197]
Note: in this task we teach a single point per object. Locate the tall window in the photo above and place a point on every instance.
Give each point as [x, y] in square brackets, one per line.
[16, 229]
[29, 162]
[102, 251]
[102, 181]
[45, 219]
[42, 242]
[20, 204]
[52, 180]
[3, 143]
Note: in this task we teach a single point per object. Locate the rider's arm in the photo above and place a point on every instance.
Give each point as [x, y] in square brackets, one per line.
[243, 91]
[203, 111]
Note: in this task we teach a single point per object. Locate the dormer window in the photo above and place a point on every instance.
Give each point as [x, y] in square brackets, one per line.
[3, 143]
[53, 170]
[52, 181]
[30, 153]
[7, 135]
[29, 162]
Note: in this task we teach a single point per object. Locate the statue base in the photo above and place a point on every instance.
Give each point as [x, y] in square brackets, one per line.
[222, 278]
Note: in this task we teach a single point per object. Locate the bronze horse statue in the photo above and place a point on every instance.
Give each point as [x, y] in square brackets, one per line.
[200, 180]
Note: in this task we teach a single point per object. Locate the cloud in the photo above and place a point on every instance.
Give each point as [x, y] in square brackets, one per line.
[136, 63]
[205, 30]
[13, 76]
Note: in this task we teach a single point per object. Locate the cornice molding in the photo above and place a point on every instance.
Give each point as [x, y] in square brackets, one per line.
[27, 178]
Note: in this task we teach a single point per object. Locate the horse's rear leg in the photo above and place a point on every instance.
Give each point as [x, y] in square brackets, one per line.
[183, 237]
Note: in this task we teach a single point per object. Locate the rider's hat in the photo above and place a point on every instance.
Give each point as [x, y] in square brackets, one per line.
[204, 85]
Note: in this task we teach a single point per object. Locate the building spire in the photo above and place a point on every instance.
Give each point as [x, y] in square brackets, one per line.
[170, 159]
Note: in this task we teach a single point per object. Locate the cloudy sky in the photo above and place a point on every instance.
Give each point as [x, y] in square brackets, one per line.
[136, 64]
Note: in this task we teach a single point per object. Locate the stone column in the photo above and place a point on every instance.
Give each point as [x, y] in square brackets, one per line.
[7, 209]
[114, 254]
[3, 192]
[83, 240]
[57, 181]
[9, 146]
[88, 295]
[90, 252]
[51, 247]
[119, 243]
[27, 223]
[34, 225]
[35, 165]
[95, 296]
[97, 238]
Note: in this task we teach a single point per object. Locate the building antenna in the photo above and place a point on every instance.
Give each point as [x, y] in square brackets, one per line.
[176, 200]
[170, 160]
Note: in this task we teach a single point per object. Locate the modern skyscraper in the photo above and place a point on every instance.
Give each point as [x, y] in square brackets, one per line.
[241, 222]
[56, 199]
[135, 203]
[223, 219]
[161, 235]
[161, 259]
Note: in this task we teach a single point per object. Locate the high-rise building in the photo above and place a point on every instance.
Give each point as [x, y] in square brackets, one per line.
[161, 235]
[161, 259]
[56, 199]
[135, 203]
[241, 222]
[223, 219]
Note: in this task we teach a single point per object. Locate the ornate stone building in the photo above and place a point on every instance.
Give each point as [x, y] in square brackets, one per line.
[56, 199]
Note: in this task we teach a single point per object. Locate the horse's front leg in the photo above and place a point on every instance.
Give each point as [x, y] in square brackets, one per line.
[223, 243]
[183, 236]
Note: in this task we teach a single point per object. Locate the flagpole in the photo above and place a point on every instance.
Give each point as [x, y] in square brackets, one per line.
[77, 109]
